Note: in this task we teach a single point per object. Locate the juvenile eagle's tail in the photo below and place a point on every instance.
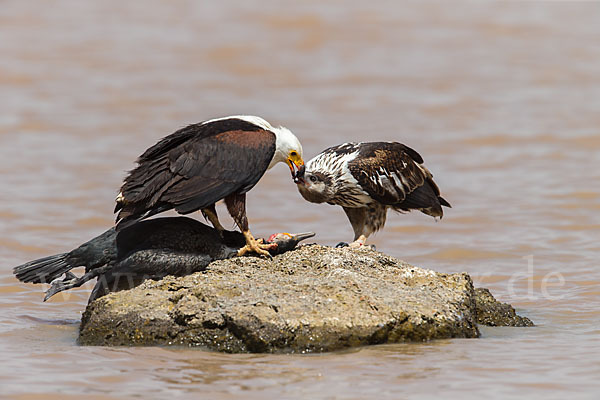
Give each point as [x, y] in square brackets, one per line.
[426, 198]
[43, 270]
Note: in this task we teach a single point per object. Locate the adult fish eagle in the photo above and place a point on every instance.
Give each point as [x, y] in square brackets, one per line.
[367, 179]
[203, 163]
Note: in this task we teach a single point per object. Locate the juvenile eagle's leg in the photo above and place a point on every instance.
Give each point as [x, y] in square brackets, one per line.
[210, 213]
[357, 218]
[236, 205]
[365, 221]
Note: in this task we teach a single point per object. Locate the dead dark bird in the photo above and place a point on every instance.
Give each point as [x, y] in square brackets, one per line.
[150, 249]
[201, 164]
[367, 179]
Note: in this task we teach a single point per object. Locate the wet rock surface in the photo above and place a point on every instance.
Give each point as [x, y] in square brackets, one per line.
[312, 299]
[491, 312]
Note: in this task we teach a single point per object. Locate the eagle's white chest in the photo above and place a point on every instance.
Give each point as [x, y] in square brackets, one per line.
[348, 192]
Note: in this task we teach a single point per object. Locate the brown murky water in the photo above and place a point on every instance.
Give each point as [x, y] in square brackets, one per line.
[501, 99]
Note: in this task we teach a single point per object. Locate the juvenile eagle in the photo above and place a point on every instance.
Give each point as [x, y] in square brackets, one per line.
[368, 178]
[203, 163]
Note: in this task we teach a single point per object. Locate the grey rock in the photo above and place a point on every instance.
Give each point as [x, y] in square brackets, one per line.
[311, 299]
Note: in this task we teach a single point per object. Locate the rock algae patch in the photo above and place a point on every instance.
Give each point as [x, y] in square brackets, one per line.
[493, 313]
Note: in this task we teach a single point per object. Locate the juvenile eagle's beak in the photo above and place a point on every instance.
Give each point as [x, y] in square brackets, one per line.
[299, 177]
[296, 165]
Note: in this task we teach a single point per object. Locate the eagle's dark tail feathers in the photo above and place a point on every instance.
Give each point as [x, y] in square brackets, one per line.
[43, 270]
[443, 202]
[425, 198]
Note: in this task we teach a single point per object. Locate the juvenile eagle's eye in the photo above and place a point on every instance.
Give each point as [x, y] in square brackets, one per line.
[313, 178]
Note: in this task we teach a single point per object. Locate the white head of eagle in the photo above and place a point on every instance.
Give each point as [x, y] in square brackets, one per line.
[368, 178]
[196, 166]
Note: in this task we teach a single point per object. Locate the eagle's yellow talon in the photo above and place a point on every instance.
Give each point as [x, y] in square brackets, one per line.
[256, 246]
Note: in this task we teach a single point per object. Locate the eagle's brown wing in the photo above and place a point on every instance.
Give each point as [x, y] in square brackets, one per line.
[191, 169]
[393, 174]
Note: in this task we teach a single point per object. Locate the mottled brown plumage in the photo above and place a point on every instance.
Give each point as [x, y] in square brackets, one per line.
[368, 178]
[378, 159]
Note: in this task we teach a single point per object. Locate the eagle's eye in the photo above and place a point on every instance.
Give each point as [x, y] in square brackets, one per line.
[293, 153]
[313, 178]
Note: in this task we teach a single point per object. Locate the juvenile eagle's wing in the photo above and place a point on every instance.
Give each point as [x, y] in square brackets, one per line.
[393, 174]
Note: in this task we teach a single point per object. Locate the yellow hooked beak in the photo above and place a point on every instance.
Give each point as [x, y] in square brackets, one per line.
[296, 164]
